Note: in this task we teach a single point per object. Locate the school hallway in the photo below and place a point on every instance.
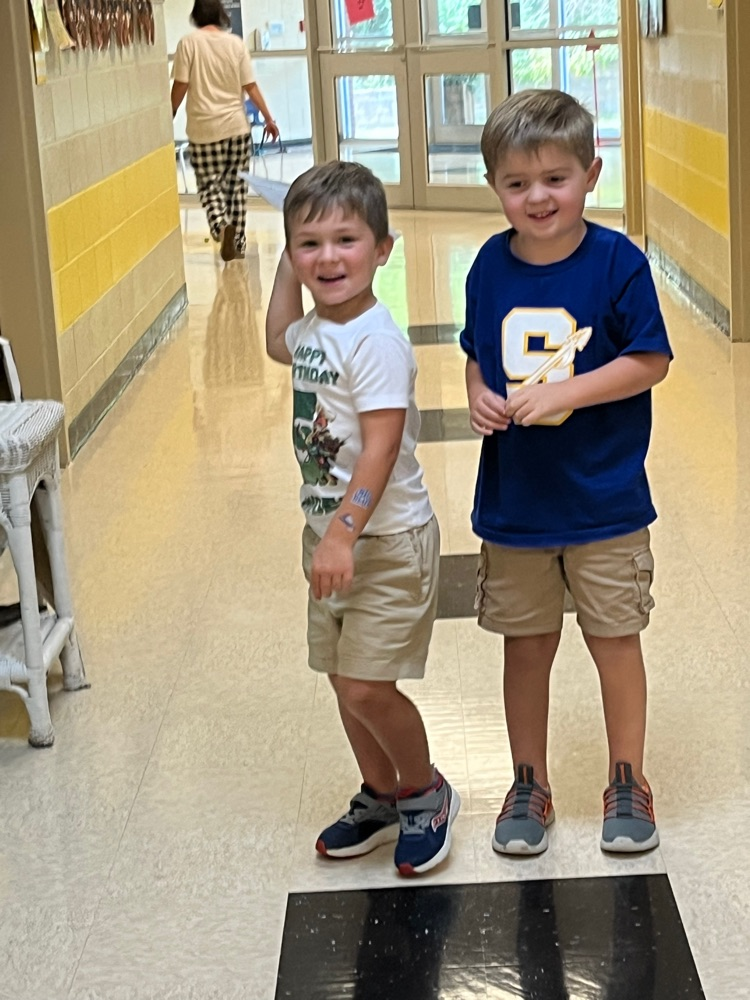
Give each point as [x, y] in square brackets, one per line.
[163, 848]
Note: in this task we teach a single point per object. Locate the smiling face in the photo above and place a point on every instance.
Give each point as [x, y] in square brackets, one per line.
[336, 255]
[543, 195]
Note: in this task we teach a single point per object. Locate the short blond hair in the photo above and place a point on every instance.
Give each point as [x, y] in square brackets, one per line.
[533, 118]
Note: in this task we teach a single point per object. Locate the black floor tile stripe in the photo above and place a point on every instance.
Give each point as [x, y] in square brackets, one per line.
[566, 939]
[458, 584]
[445, 425]
[434, 333]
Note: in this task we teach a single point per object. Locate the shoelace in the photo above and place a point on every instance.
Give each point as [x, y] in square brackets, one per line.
[628, 800]
[415, 824]
[524, 801]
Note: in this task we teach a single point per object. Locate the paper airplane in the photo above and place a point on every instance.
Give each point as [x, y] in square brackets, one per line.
[274, 192]
[563, 356]
[271, 191]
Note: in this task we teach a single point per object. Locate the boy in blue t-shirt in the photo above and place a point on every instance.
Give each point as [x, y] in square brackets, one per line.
[562, 500]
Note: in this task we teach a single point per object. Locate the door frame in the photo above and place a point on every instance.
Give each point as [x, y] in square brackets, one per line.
[410, 61]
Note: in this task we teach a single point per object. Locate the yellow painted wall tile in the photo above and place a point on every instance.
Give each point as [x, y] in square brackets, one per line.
[118, 200]
[89, 279]
[91, 209]
[70, 295]
[75, 235]
[57, 304]
[104, 272]
[108, 228]
[58, 249]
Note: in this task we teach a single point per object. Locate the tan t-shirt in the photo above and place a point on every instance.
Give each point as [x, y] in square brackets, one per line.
[216, 66]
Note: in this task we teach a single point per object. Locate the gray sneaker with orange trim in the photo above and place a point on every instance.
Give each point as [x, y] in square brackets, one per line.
[521, 827]
[629, 823]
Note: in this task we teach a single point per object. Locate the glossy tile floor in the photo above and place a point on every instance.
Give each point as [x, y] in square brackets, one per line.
[151, 852]
[616, 938]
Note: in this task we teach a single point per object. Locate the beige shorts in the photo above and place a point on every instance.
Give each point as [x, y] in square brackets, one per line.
[523, 591]
[380, 629]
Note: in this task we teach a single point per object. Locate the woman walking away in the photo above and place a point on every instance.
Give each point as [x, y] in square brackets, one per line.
[213, 68]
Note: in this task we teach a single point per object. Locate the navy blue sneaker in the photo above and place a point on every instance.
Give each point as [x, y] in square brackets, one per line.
[426, 821]
[369, 823]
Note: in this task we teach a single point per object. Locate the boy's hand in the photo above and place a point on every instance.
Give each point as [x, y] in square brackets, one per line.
[488, 412]
[533, 403]
[332, 567]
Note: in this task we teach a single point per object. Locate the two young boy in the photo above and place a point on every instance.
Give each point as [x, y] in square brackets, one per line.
[562, 501]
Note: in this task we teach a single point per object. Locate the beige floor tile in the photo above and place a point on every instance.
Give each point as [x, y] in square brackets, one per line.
[149, 947]
[186, 788]
[41, 943]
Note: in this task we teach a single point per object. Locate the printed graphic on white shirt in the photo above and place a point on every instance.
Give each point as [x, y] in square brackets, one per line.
[316, 448]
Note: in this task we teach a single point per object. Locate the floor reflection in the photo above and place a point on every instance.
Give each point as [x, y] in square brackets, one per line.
[573, 939]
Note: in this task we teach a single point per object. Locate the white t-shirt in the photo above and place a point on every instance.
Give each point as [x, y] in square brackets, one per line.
[339, 371]
[216, 66]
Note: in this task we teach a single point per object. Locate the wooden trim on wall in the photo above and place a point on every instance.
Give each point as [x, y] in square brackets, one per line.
[738, 137]
[27, 312]
[632, 119]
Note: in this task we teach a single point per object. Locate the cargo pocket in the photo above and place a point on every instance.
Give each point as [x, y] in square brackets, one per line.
[479, 596]
[643, 563]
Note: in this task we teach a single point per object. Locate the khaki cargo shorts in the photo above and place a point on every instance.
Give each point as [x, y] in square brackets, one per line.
[522, 591]
[380, 629]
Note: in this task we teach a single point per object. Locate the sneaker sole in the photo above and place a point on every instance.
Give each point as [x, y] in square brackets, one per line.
[521, 847]
[388, 835]
[624, 845]
[409, 870]
[227, 243]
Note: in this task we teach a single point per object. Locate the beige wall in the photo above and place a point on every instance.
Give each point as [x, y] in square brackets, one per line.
[26, 307]
[109, 187]
[684, 94]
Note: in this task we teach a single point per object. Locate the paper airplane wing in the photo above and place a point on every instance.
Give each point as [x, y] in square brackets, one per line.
[274, 193]
[271, 191]
[562, 357]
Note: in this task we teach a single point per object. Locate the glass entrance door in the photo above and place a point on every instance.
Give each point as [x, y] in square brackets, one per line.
[574, 45]
[365, 92]
[407, 93]
[408, 90]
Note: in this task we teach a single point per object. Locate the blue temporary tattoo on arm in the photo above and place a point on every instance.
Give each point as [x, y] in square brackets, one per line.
[362, 498]
[348, 521]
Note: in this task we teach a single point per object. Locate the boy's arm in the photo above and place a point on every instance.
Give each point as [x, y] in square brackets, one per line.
[626, 376]
[284, 308]
[487, 412]
[333, 561]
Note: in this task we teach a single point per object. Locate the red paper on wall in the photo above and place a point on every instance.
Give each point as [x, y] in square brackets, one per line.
[360, 10]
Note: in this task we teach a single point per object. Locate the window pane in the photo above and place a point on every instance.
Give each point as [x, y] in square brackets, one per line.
[531, 15]
[374, 34]
[457, 107]
[367, 113]
[531, 69]
[586, 12]
[277, 25]
[454, 17]
[594, 79]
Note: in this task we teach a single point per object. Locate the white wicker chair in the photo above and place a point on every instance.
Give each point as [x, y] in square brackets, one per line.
[30, 470]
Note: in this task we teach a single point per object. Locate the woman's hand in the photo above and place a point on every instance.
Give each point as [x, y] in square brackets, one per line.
[270, 130]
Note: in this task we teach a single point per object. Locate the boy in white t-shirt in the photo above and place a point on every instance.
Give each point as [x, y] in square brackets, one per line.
[371, 544]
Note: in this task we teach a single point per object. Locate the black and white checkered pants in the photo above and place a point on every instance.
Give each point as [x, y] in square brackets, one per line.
[222, 191]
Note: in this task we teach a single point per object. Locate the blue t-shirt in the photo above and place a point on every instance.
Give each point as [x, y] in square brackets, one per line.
[581, 478]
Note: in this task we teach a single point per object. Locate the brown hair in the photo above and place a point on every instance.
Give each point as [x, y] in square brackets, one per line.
[209, 12]
[349, 186]
[533, 118]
